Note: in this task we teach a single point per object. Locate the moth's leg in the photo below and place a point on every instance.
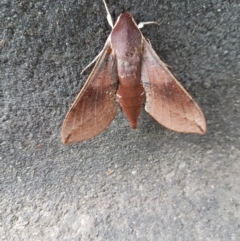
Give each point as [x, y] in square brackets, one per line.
[141, 24]
[92, 62]
[96, 58]
[109, 17]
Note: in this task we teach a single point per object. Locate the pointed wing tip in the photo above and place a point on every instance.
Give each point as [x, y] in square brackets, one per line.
[67, 142]
[201, 132]
[203, 129]
[66, 139]
[202, 125]
[72, 138]
[198, 128]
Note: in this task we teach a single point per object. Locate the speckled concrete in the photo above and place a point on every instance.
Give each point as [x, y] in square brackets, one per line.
[164, 186]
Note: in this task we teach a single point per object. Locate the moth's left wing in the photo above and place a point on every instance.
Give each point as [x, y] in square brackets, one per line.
[166, 100]
[95, 106]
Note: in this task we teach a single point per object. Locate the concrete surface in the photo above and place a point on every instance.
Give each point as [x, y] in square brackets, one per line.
[165, 185]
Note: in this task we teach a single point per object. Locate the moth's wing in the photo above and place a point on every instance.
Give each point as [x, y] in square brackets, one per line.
[166, 100]
[95, 106]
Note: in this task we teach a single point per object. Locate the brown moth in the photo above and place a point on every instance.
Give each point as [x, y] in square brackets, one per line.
[128, 71]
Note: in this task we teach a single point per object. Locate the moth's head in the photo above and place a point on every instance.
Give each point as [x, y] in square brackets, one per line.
[125, 15]
[124, 19]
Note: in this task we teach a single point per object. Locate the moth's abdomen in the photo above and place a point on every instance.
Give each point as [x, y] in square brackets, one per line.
[130, 93]
[131, 98]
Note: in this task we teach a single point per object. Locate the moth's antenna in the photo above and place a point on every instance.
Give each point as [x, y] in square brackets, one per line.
[141, 24]
[109, 17]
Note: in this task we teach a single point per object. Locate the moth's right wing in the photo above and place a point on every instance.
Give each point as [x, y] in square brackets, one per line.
[166, 100]
[95, 106]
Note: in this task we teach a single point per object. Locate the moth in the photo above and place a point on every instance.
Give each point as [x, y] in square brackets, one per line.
[127, 72]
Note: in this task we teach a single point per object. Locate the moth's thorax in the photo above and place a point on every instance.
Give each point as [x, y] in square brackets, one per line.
[126, 37]
[126, 40]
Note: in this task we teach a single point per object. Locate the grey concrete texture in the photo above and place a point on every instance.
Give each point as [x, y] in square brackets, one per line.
[144, 184]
